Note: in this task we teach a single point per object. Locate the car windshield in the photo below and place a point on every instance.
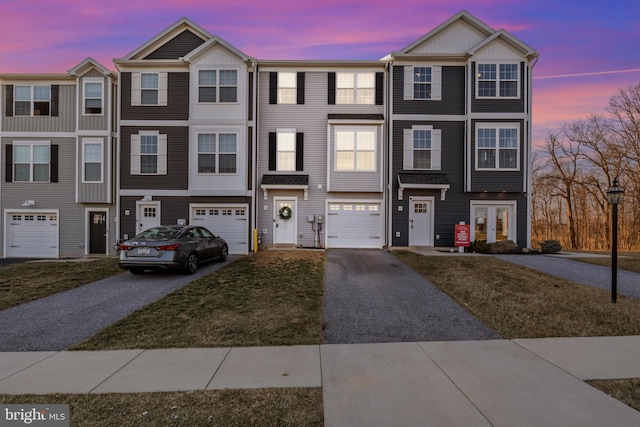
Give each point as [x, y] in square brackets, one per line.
[158, 233]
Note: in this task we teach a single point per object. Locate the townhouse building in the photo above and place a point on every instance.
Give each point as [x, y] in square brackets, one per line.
[304, 153]
[57, 139]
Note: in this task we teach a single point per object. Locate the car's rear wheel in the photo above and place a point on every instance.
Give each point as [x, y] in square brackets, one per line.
[224, 253]
[136, 270]
[191, 266]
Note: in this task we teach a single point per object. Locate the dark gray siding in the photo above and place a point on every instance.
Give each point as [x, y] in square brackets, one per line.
[250, 159]
[177, 47]
[448, 212]
[497, 181]
[177, 107]
[453, 94]
[499, 105]
[250, 101]
[171, 209]
[177, 177]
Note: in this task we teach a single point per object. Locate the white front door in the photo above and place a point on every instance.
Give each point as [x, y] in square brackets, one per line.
[494, 223]
[420, 220]
[284, 230]
[148, 216]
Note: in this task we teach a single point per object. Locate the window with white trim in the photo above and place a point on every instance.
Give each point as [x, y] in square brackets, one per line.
[217, 153]
[497, 147]
[32, 100]
[93, 96]
[217, 86]
[92, 160]
[422, 82]
[286, 150]
[31, 162]
[422, 148]
[287, 88]
[355, 149]
[149, 89]
[355, 88]
[498, 81]
[148, 153]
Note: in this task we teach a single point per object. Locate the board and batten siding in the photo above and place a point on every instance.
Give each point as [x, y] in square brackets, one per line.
[177, 107]
[64, 122]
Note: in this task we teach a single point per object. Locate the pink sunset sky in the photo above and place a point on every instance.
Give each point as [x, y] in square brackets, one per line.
[589, 49]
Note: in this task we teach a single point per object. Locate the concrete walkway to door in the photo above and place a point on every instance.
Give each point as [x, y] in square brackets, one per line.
[370, 296]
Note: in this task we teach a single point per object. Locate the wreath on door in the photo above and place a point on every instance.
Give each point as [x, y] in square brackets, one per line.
[285, 213]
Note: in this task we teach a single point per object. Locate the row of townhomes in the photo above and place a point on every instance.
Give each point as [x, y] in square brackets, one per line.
[190, 130]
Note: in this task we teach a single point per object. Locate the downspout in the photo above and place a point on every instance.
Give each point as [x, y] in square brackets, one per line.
[530, 146]
[388, 194]
[116, 123]
[254, 156]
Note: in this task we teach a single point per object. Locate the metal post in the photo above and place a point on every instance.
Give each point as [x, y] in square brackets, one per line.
[614, 254]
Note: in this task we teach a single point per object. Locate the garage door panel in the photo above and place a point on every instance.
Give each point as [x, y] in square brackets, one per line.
[231, 223]
[32, 235]
[354, 225]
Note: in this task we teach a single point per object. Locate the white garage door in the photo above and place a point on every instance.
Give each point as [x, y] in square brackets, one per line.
[231, 223]
[32, 235]
[354, 225]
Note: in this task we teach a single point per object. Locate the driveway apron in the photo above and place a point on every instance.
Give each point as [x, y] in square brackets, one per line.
[61, 320]
[579, 272]
[370, 296]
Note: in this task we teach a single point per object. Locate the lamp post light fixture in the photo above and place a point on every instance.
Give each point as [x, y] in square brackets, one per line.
[614, 197]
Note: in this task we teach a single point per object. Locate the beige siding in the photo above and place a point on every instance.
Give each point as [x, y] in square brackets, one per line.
[65, 122]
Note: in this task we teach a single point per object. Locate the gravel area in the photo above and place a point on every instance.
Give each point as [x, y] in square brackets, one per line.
[580, 272]
[370, 296]
[61, 320]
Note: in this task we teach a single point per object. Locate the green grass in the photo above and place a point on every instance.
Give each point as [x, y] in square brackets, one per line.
[270, 298]
[264, 407]
[24, 282]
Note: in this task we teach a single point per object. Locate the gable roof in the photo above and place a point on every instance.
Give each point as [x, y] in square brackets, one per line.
[212, 42]
[167, 34]
[512, 41]
[88, 64]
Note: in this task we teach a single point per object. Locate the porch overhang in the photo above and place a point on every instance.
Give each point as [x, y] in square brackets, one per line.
[423, 181]
[285, 182]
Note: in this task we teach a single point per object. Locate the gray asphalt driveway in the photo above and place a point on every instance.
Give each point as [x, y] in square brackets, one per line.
[61, 320]
[370, 296]
[580, 272]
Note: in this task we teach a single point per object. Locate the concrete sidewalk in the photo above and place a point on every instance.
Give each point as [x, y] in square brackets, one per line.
[527, 382]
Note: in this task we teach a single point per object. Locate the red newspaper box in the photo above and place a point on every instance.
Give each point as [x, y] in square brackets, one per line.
[463, 235]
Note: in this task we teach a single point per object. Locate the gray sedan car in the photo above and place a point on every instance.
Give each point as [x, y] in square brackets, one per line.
[171, 248]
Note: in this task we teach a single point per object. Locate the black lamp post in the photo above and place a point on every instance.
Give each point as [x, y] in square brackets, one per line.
[614, 196]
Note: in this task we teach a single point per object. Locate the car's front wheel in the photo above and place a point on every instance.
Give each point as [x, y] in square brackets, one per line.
[191, 266]
[224, 253]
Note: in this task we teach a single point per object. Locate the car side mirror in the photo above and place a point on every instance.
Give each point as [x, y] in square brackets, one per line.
[216, 236]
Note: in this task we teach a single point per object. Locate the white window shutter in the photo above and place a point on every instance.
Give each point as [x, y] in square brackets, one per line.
[436, 83]
[136, 94]
[135, 154]
[408, 149]
[408, 82]
[436, 149]
[162, 154]
[162, 88]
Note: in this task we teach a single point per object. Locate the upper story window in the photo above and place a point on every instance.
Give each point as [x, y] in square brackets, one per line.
[497, 81]
[32, 100]
[93, 96]
[149, 89]
[31, 162]
[355, 88]
[217, 86]
[92, 160]
[217, 153]
[286, 150]
[422, 82]
[287, 88]
[498, 146]
[422, 148]
[355, 149]
[148, 153]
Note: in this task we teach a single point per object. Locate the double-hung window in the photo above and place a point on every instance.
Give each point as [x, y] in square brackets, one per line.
[497, 81]
[92, 160]
[422, 82]
[148, 153]
[217, 86]
[286, 150]
[149, 89]
[31, 162]
[93, 96]
[217, 153]
[32, 100]
[287, 88]
[355, 88]
[422, 148]
[355, 149]
[497, 147]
